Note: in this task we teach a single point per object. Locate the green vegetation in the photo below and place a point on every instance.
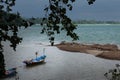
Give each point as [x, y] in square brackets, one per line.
[35, 20]
[113, 74]
[39, 20]
[55, 14]
[95, 22]
[9, 23]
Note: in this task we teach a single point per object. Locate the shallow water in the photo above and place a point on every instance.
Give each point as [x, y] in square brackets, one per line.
[60, 65]
[88, 33]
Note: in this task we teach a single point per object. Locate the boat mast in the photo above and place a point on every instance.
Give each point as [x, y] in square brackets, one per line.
[36, 53]
[43, 51]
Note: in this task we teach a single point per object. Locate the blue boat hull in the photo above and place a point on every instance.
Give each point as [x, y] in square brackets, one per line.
[36, 61]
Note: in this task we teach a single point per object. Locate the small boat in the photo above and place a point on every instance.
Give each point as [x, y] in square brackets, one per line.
[36, 61]
[10, 72]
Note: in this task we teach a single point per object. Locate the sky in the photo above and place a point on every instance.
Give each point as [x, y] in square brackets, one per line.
[100, 10]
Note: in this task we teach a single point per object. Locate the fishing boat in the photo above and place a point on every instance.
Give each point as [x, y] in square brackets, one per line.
[10, 72]
[35, 61]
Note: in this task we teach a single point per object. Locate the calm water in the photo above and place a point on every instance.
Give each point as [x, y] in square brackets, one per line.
[88, 33]
[62, 65]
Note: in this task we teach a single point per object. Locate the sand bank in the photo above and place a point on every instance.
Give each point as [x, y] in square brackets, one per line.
[108, 51]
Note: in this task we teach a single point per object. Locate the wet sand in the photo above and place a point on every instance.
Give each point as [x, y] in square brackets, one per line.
[107, 51]
[60, 65]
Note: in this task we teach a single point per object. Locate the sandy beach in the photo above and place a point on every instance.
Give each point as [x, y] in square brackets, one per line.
[68, 61]
[107, 51]
[59, 64]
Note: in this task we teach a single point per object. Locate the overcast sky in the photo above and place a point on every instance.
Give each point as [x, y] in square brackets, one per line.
[100, 10]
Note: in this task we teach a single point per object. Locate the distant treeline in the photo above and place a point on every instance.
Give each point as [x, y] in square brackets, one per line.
[95, 22]
[35, 20]
[39, 20]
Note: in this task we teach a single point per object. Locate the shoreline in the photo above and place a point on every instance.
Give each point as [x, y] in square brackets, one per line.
[106, 51]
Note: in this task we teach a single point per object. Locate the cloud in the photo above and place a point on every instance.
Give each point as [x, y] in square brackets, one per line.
[101, 9]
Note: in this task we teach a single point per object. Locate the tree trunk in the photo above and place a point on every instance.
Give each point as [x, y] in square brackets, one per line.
[2, 65]
[52, 43]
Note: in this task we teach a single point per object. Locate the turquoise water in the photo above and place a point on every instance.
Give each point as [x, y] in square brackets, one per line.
[99, 33]
[62, 65]
[88, 33]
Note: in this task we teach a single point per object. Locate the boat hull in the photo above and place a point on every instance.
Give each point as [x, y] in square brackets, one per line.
[10, 73]
[36, 61]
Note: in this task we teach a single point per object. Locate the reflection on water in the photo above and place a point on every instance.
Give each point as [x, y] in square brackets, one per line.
[60, 65]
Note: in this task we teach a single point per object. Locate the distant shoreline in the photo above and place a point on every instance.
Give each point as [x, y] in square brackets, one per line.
[95, 22]
[107, 51]
[82, 21]
[100, 23]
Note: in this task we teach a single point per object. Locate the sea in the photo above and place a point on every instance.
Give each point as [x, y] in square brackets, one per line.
[62, 65]
[88, 34]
